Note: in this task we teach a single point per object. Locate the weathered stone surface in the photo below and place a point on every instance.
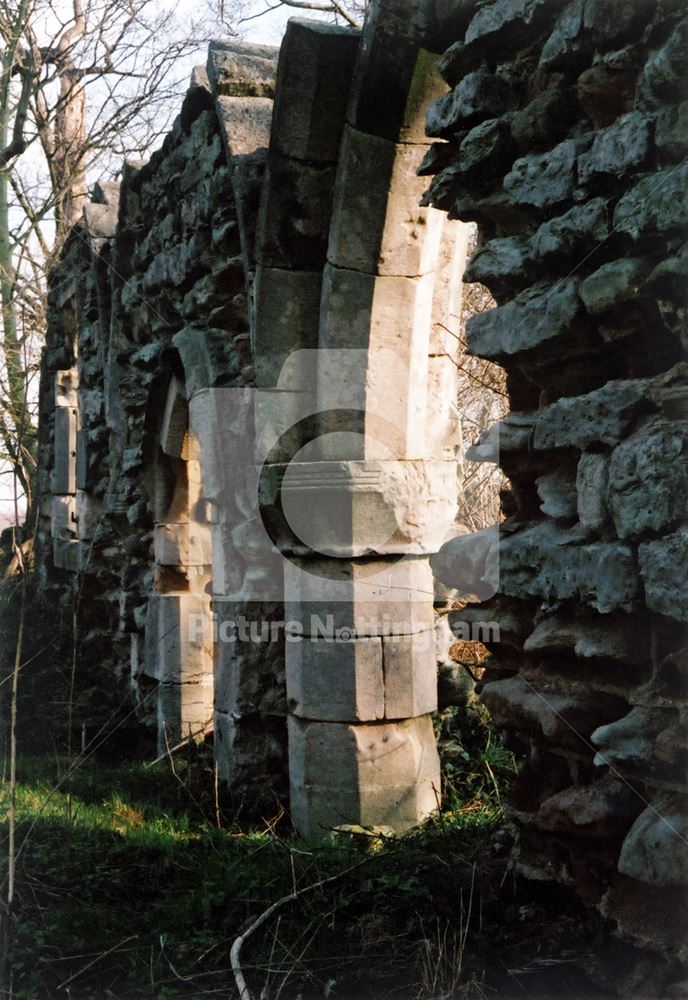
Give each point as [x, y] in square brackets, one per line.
[665, 75]
[610, 204]
[648, 480]
[658, 203]
[410, 672]
[607, 88]
[583, 24]
[100, 221]
[364, 679]
[336, 681]
[346, 598]
[546, 180]
[613, 637]
[578, 230]
[499, 262]
[565, 717]
[671, 132]
[211, 416]
[656, 848]
[394, 80]
[182, 544]
[294, 218]
[63, 516]
[478, 96]
[600, 417]
[377, 225]
[629, 741]
[603, 809]
[64, 468]
[545, 120]
[487, 149]
[178, 637]
[558, 495]
[592, 485]
[239, 69]
[287, 311]
[543, 318]
[68, 554]
[624, 147]
[438, 156]
[249, 659]
[550, 563]
[614, 283]
[313, 79]
[387, 774]
[245, 123]
[361, 508]
[515, 22]
[565, 47]
[506, 437]
[373, 329]
[664, 572]
[461, 562]
[207, 357]
[640, 916]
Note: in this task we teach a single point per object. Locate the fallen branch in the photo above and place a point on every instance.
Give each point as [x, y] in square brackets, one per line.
[235, 952]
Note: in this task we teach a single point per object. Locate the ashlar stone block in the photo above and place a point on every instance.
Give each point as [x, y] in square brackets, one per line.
[410, 674]
[294, 217]
[360, 508]
[287, 317]
[178, 641]
[183, 710]
[443, 428]
[377, 224]
[64, 470]
[63, 517]
[374, 341]
[369, 775]
[313, 78]
[344, 599]
[222, 420]
[68, 554]
[242, 68]
[336, 681]
[66, 386]
[245, 123]
[184, 544]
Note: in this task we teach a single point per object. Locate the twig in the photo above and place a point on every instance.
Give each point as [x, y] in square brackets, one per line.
[205, 728]
[235, 952]
[93, 961]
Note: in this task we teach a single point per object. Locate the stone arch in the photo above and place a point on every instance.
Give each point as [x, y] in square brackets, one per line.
[369, 327]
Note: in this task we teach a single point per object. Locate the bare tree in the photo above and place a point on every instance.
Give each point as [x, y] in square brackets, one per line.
[482, 401]
[81, 87]
[351, 12]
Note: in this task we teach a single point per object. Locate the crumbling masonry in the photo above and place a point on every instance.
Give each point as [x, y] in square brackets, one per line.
[248, 419]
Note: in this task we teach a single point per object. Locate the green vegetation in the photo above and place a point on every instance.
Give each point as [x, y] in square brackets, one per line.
[133, 882]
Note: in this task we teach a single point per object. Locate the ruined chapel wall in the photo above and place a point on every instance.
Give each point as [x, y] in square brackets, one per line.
[564, 136]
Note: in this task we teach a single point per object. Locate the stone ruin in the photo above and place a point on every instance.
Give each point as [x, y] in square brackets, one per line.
[248, 426]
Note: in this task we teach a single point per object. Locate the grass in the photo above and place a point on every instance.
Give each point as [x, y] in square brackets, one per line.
[127, 888]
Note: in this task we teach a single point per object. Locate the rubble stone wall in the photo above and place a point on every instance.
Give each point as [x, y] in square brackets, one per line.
[563, 135]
